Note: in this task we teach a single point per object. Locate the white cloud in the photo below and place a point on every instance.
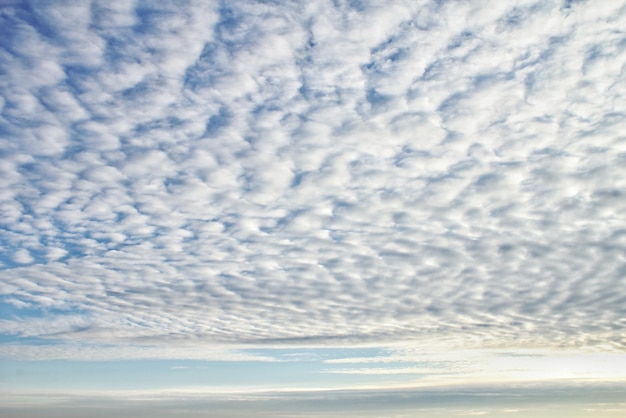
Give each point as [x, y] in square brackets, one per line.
[23, 257]
[272, 174]
[93, 352]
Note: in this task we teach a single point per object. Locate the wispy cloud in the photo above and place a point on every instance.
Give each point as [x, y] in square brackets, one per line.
[465, 367]
[249, 173]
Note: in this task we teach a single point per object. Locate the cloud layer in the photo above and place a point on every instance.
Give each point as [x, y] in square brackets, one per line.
[259, 173]
[542, 401]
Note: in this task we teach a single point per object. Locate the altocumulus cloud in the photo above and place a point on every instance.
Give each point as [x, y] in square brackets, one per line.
[310, 173]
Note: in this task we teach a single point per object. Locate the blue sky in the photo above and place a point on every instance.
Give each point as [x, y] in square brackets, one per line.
[303, 204]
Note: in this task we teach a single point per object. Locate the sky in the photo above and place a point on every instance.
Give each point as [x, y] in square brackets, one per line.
[313, 209]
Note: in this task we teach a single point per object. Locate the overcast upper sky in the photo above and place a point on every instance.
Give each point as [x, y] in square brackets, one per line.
[244, 181]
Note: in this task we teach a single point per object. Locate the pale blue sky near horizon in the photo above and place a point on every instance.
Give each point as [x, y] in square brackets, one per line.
[313, 209]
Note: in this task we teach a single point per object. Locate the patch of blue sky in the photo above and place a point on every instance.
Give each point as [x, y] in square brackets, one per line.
[12, 22]
[13, 307]
[295, 368]
[9, 260]
[6, 260]
[165, 374]
[13, 339]
[15, 310]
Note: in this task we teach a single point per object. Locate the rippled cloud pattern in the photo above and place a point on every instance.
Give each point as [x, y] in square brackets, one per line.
[243, 173]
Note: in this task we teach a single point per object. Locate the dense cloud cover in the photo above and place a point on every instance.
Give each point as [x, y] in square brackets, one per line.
[326, 172]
